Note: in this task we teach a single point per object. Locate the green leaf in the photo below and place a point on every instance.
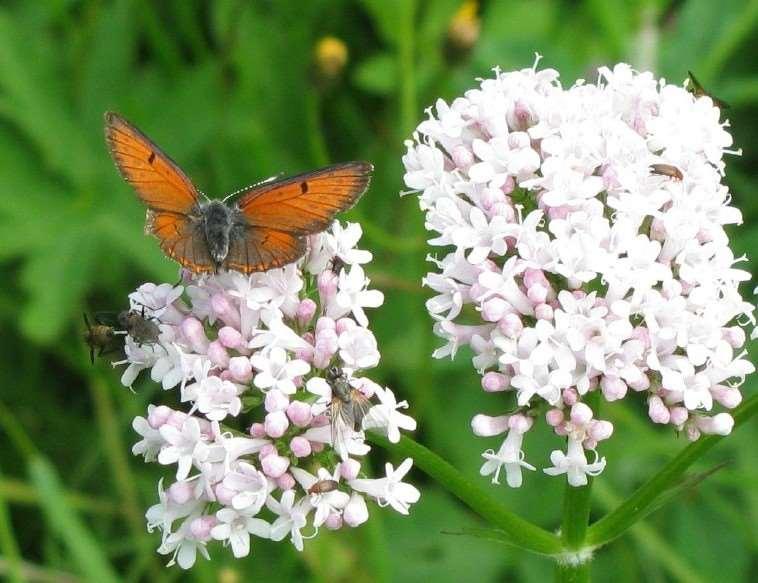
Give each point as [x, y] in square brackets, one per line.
[55, 280]
[639, 503]
[82, 545]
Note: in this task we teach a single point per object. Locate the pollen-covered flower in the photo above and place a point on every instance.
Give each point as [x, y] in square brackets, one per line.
[582, 254]
[254, 359]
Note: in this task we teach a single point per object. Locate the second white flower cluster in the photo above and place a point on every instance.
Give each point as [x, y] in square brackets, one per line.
[585, 256]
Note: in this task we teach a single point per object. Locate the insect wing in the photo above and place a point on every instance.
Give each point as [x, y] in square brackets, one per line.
[262, 248]
[306, 203]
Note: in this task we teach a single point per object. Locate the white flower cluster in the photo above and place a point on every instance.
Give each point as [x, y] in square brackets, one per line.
[587, 253]
[295, 342]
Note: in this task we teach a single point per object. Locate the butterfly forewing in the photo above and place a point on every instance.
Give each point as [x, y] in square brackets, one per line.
[159, 182]
[306, 203]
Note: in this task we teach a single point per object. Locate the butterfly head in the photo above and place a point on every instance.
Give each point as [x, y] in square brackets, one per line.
[217, 226]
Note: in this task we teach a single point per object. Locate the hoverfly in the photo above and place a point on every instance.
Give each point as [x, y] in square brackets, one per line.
[99, 336]
[667, 170]
[697, 90]
[348, 407]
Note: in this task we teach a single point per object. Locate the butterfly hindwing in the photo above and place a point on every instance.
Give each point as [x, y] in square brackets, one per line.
[261, 248]
[181, 239]
[307, 203]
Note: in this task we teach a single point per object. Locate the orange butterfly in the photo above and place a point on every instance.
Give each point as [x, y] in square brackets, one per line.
[264, 227]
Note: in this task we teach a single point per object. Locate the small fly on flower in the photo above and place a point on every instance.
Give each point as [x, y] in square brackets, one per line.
[99, 336]
[141, 327]
[323, 486]
[697, 90]
[348, 407]
[667, 170]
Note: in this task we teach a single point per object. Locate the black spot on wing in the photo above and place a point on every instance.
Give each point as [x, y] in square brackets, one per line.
[151, 157]
[303, 187]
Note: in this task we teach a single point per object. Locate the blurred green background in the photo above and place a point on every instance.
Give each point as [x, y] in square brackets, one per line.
[238, 91]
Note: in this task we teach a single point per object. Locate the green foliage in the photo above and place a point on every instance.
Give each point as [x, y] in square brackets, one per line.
[229, 89]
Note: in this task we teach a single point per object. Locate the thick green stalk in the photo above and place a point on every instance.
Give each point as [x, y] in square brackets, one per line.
[520, 532]
[638, 504]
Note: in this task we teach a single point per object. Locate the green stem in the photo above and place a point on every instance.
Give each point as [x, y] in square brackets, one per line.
[570, 573]
[638, 504]
[520, 532]
[576, 515]
[406, 61]
[9, 545]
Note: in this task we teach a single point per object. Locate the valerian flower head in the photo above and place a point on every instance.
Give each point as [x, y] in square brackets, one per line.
[583, 254]
[236, 346]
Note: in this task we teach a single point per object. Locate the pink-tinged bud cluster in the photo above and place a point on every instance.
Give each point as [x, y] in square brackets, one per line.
[573, 264]
[249, 356]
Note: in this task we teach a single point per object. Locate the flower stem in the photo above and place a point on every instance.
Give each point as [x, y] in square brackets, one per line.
[576, 515]
[638, 504]
[520, 532]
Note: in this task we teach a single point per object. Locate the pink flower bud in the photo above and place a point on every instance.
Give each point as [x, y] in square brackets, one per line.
[300, 447]
[511, 325]
[570, 396]
[520, 423]
[325, 323]
[257, 430]
[721, 424]
[486, 426]
[581, 414]
[554, 417]
[600, 430]
[181, 492]
[224, 309]
[275, 400]
[640, 384]
[343, 325]
[158, 416]
[267, 450]
[493, 382]
[274, 465]
[356, 511]
[218, 354]
[327, 284]
[299, 413]
[230, 337]
[494, 309]
[240, 369]
[613, 388]
[176, 419]
[349, 469]
[333, 521]
[534, 277]
[657, 410]
[462, 157]
[734, 335]
[692, 432]
[306, 309]
[286, 481]
[200, 528]
[276, 424]
[558, 212]
[537, 294]
[509, 185]
[192, 330]
[729, 397]
[678, 416]
[544, 312]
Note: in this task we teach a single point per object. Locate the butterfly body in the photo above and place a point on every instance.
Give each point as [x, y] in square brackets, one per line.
[263, 227]
[221, 225]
